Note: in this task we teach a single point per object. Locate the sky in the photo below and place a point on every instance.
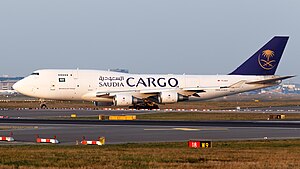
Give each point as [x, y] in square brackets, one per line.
[144, 36]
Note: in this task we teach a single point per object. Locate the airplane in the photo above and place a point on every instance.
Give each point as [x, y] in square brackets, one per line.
[147, 91]
[8, 92]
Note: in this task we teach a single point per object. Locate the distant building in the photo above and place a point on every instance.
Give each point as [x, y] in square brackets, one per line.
[280, 89]
[6, 83]
[289, 86]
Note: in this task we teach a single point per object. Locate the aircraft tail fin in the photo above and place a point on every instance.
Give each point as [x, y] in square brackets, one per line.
[265, 60]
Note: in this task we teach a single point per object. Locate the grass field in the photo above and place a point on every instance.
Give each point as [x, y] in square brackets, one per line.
[194, 116]
[212, 116]
[238, 154]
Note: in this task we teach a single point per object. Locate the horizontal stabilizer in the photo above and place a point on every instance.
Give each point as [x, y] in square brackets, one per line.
[271, 80]
[238, 84]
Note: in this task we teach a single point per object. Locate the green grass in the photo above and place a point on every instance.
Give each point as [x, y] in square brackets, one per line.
[216, 105]
[230, 154]
[198, 116]
[212, 116]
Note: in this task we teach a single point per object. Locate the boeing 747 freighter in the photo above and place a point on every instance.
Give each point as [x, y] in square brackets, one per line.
[148, 90]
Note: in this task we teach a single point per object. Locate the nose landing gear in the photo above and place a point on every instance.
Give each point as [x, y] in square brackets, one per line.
[43, 104]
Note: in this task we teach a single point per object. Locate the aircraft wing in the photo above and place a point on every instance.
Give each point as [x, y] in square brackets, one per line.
[147, 93]
[182, 91]
[271, 80]
[156, 91]
[188, 91]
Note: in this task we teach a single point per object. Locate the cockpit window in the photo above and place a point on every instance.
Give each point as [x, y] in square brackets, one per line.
[35, 73]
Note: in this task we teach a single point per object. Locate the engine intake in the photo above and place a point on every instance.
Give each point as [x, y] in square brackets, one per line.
[125, 100]
[171, 97]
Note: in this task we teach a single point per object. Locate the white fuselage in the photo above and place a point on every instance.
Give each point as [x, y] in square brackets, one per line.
[63, 84]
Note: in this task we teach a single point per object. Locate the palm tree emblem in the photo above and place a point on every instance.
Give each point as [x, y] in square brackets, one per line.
[266, 62]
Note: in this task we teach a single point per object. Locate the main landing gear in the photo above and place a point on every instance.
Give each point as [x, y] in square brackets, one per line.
[145, 105]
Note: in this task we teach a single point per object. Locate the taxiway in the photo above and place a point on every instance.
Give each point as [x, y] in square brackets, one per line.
[26, 124]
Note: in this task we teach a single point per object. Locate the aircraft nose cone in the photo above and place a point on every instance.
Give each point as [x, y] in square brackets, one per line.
[25, 87]
[16, 86]
[19, 86]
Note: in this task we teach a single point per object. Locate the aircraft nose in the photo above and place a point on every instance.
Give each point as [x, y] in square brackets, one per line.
[21, 86]
[17, 86]
[25, 87]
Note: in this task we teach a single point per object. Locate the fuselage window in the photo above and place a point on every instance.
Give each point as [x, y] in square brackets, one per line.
[34, 73]
[62, 80]
[62, 74]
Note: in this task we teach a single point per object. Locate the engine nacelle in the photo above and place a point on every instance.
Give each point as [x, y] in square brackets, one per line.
[171, 97]
[125, 100]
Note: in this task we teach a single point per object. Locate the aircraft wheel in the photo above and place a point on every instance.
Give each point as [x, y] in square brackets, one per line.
[155, 106]
[44, 106]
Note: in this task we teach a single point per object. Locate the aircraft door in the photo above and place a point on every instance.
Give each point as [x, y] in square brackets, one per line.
[75, 74]
[76, 81]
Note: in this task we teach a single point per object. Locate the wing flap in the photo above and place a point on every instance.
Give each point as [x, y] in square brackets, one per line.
[155, 91]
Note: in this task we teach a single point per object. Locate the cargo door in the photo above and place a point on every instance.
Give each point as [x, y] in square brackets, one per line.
[76, 81]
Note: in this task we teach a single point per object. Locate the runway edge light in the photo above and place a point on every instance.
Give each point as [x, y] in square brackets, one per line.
[7, 138]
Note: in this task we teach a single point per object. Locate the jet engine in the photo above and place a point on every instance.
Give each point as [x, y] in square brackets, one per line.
[126, 100]
[171, 97]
